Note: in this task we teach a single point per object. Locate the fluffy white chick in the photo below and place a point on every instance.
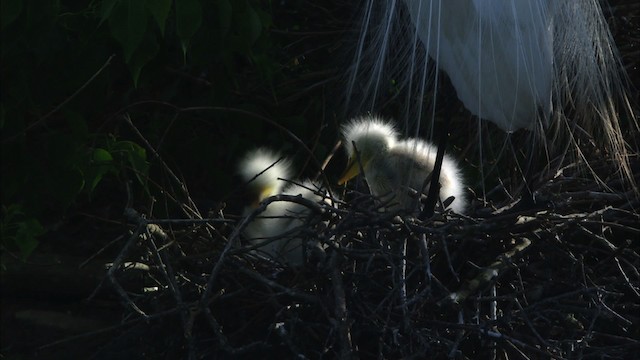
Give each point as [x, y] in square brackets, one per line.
[267, 174]
[394, 167]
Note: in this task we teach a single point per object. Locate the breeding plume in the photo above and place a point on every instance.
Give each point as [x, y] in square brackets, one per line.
[545, 65]
[276, 229]
[398, 170]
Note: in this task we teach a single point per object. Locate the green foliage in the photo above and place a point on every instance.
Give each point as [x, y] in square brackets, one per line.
[102, 162]
[70, 71]
[237, 25]
[19, 232]
[188, 21]
[129, 156]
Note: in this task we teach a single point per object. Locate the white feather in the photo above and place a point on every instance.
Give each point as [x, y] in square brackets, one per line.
[497, 53]
[265, 172]
[392, 167]
[545, 65]
[274, 229]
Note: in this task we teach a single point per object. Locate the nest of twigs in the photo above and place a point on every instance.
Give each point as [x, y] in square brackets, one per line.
[557, 279]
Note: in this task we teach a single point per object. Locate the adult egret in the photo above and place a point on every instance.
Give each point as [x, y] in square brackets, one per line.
[396, 168]
[274, 229]
[545, 65]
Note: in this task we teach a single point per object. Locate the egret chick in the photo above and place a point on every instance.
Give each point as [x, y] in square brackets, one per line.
[267, 173]
[393, 167]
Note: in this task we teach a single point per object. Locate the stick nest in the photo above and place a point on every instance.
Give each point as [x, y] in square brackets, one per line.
[559, 279]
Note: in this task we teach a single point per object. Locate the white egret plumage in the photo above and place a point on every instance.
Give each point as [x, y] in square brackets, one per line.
[274, 230]
[545, 65]
[396, 170]
[266, 172]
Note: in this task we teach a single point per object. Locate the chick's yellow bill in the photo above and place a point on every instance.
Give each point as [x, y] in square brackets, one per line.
[352, 171]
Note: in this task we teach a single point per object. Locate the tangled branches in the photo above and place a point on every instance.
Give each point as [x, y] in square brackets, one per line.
[560, 280]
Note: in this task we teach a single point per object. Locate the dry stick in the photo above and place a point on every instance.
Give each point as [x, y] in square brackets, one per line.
[274, 285]
[424, 248]
[403, 286]
[189, 221]
[459, 336]
[495, 335]
[132, 265]
[222, 339]
[434, 187]
[343, 331]
[308, 223]
[166, 167]
[314, 146]
[518, 350]
[514, 343]
[62, 104]
[613, 313]
[570, 294]
[493, 316]
[488, 274]
[237, 111]
[165, 133]
[602, 240]
[282, 333]
[448, 256]
[238, 230]
[294, 137]
[117, 263]
[275, 124]
[100, 251]
[328, 158]
[626, 278]
[169, 274]
[107, 329]
[230, 243]
[133, 216]
[530, 324]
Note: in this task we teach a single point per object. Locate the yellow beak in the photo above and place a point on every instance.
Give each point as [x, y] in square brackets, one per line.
[352, 170]
[263, 194]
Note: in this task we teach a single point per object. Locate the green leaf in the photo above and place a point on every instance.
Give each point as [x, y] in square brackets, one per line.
[106, 9]
[247, 26]
[101, 163]
[101, 156]
[188, 20]
[140, 166]
[9, 11]
[160, 11]
[128, 24]
[136, 156]
[146, 52]
[253, 25]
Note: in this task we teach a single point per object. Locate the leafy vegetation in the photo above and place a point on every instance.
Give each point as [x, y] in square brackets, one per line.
[73, 71]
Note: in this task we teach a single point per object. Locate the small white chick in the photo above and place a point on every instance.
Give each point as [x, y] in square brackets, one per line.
[270, 173]
[392, 167]
[266, 172]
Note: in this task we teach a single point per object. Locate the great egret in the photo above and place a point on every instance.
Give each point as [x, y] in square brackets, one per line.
[268, 174]
[394, 167]
[550, 66]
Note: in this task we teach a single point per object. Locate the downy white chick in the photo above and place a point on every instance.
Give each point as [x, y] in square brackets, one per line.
[393, 166]
[267, 173]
